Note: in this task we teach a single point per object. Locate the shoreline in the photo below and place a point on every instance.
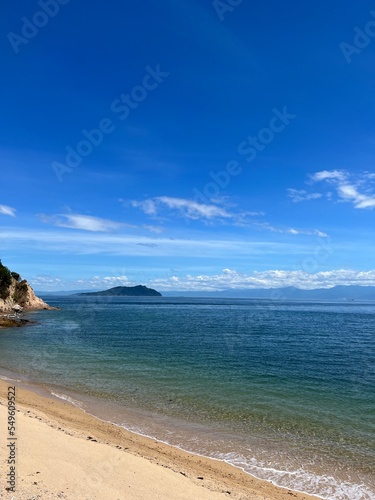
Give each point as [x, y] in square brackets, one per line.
[19, 321]
[58, 419]
[12, 322]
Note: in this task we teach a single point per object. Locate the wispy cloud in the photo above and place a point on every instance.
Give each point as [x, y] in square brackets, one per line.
[6, 210]
[93, 224]
[291, 230]
[358, 190]
[191, 209]
[194, 210]
[298, 195]
[82, 222]
[220, 210]
[147, 206]
[87, 242]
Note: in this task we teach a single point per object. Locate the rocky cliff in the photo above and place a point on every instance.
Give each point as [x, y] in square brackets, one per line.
[15, 291]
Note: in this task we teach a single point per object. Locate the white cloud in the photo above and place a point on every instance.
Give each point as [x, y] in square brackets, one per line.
[339, 175]
[113, 280]
[85, 243]
[190, 209]
[291, 230]
[50, 283]
[349, 192]
[147, 206]
[231, 279]
[82, 222]
[366, 203]
[193, 209]
[227, 279]
[184, 207]
[6, 210]
[218, 210]
[357, 191]
[322, 234]
[298, 195]
[92, 224]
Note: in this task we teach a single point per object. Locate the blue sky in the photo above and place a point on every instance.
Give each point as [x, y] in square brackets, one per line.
[188, 145]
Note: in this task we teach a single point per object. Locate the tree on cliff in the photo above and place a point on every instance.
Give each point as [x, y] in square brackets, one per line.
[5, 281]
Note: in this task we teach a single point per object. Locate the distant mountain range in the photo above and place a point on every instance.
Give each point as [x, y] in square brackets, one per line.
[342, 292]
[126, 291]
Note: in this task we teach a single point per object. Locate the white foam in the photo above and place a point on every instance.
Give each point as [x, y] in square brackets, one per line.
[68, 399]
[325, 487]
[2, 377]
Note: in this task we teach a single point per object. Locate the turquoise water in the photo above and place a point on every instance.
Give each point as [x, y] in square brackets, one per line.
[284, 390]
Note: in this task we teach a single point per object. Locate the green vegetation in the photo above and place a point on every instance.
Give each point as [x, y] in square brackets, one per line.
[5, 281]
[127, 291]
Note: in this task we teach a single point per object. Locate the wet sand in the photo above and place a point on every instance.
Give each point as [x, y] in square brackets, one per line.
[62, 452]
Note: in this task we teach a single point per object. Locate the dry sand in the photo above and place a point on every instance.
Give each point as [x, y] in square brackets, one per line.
[62, 452]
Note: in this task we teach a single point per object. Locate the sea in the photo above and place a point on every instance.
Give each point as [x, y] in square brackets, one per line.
[284, 390]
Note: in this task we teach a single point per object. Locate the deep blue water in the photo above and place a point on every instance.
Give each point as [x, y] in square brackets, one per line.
[284, 390]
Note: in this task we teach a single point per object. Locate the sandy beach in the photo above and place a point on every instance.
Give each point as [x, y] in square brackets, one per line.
[62, 452]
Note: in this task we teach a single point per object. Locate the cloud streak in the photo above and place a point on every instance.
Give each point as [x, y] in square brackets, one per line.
[87, 223]
[185, 208]
[92, 224]
[298, 195]
[89, 243]
[219, 210]
[291, 230]
[6, 210]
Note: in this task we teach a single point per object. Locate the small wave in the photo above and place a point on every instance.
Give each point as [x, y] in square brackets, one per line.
[68, 399]
[325, 487]
[6, 379]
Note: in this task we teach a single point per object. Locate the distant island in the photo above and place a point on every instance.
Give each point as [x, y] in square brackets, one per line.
[336, 293]
[126, 291]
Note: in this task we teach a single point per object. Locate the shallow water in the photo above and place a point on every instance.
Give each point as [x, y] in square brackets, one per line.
[284, 390]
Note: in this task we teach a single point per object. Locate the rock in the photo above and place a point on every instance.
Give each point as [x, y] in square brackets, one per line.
[17, 295]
